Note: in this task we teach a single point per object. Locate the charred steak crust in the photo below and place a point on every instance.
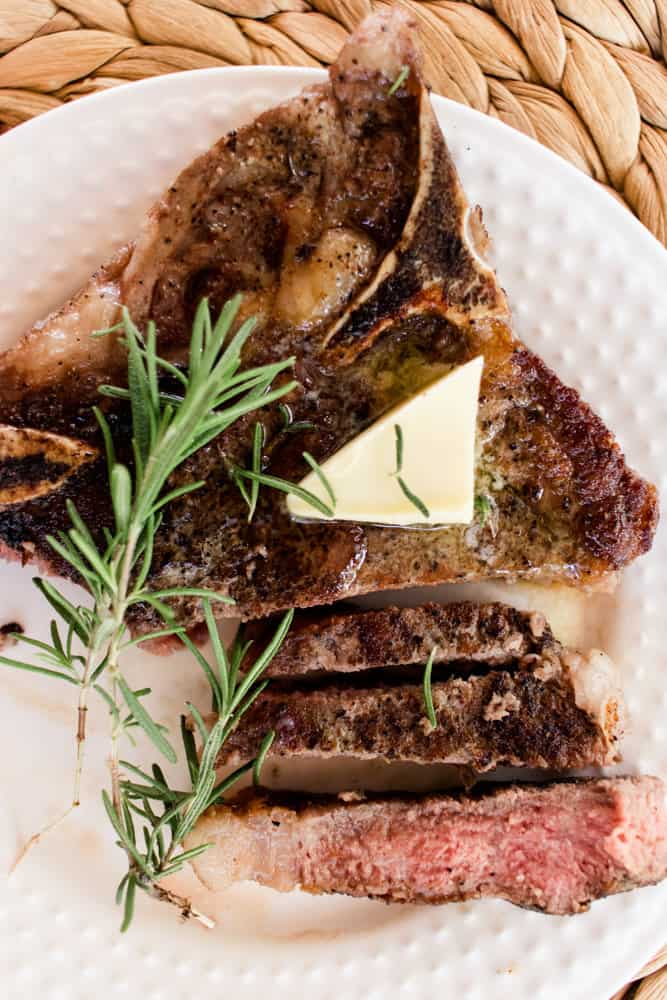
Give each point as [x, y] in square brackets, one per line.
[347, 639]
[340, 217]
[619, 511]
[505, 692]
[483, 721]
[553, 848]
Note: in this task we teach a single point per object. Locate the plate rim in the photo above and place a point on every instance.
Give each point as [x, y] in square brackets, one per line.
[618, 216]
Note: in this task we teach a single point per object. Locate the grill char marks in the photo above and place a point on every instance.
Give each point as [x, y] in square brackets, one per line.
[503, 842]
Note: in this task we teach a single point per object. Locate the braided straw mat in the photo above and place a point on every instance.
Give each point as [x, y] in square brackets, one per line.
[585, 77]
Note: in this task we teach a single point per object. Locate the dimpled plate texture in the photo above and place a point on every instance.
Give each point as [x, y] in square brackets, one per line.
[587, 286]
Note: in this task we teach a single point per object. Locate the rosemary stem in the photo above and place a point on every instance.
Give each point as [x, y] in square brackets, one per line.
[188, 911]
[81, 718]
[166, 431]
[119, 608]
[81, 714]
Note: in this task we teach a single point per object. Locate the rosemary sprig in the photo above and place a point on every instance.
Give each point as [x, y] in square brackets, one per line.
[167, 430]
[166, 816]
[428, 690]
[400, 80]
[412, 497]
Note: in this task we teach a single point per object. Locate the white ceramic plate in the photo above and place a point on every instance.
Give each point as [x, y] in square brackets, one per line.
[587, 286]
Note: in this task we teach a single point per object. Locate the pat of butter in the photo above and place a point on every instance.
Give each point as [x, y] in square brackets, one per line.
[438, 427]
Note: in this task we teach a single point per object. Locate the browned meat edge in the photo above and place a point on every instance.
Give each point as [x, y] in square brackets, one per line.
[554, 848]
[525, 718]
[347, 639]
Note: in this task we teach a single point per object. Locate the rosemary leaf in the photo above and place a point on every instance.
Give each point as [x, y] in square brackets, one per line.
[121, 888]
[66, 610]
[286, 487]
[120, 830]
[228, 782]
[300, 425]
[400, 80]
[128, 912]
[111, 704]
[153, 781]
[482, 507]
[196, 806]
[78, 522]
[32, 668]
[190, 750]
[161, 633]
[317, 469]
[121, 495]
[286, 414]
[49, 653]
[192, 852]
[199, 722]
[208, 595]
[175, 494]
[213, 681]
[259, 760]
[147, 724]
[413, 498]
[64, 547]
[399, 449]
[143, 428]
[257, 445]
[428, 691]
[218, 653]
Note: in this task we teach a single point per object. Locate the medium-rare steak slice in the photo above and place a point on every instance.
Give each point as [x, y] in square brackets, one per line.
[545, 710]
[340, 218]
[346, 639]
[554, 848]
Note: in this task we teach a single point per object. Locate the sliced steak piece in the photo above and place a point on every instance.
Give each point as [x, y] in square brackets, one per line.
[348, 640]
[340, 218]
[553, 848]
[548, 712]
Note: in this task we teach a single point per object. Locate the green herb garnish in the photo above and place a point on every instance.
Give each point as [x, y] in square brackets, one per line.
[286, 487]
[317, 469]
[261, 754]
[87, 642]
[291, 426]
[487, 510]
[482, 507]
[399, 449]
[257, 444]
[412, 497]
[428, 691]
[400, 80]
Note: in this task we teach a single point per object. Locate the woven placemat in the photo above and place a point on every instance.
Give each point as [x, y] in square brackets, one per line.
[587, 78]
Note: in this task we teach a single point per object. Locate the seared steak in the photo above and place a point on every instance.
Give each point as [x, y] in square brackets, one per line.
[553, 848]
[347, 639]
[340, 217]
[543, 711]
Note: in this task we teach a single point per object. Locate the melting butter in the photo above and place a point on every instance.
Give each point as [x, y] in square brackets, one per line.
[438, 429]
